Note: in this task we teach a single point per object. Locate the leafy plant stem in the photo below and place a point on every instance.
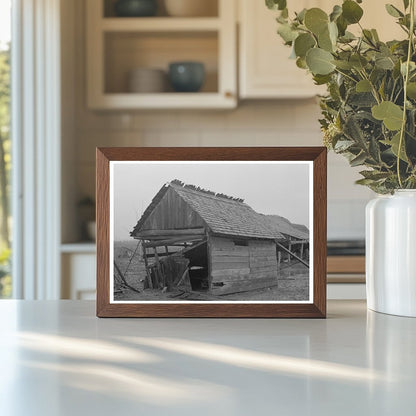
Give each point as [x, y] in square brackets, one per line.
[406, 80]
[392, 91]
[346, 75]
[373, 88]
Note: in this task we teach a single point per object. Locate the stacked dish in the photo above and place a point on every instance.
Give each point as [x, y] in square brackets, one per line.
[147, 80]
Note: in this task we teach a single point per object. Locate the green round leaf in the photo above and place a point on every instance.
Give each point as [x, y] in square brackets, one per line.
[344, 65]
[342, 25]
[394, 146]
[324, 41]
[276, 4]
[319, 61]
[322, 79]
[411, 90]
[336, 12]
[303, 43]
[328, 38]
[287, 33]
[316, 20]
[351, 11]
[358, 61]
[301, 63]
[384, 62]
[391, 114]
[393, 11]
[363, 86]
[301, 15]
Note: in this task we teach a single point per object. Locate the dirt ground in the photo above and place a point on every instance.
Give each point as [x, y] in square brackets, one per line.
[134, 271]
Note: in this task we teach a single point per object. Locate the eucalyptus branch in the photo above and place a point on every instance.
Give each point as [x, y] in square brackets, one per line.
[406, 80]
[346, 75]
[353, 116]
[392, 90]
[373, 88]
[398, 95]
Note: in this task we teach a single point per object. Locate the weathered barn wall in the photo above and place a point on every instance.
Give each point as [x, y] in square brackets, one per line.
[236, 268]
[172, 212]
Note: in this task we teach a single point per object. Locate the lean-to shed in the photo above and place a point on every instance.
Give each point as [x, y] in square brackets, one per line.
[296, 237]
[219, 242]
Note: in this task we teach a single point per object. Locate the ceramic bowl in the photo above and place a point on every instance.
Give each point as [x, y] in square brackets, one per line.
[186, 76]
[92, 230]
[147, 80]
[135, 8]
[191, 8]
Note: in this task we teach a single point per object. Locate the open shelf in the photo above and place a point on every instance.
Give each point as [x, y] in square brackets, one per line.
[167, 100]
[211, 9]
[160, 24]
[80, 247]
[119, 45]
[127, 51]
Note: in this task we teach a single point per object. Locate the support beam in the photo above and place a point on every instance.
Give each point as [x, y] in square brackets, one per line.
[292, 254]
[149, 277]
[174, 241]
[169, 233]
[295, 242]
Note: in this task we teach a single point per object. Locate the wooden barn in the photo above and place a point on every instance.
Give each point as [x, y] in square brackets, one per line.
[197, 239]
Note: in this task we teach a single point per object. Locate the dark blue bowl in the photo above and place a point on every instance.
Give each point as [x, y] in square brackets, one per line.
[186, 76]
[135, 8]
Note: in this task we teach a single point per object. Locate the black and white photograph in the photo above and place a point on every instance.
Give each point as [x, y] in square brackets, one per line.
[211, 232]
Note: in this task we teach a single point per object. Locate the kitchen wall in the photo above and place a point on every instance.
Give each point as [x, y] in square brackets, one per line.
[253, 123]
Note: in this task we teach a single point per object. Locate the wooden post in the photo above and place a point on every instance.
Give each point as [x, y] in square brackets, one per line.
[149, 277]
[292, 254]
[290, 249]
[158, 269]
[279, 259]
[301, 251]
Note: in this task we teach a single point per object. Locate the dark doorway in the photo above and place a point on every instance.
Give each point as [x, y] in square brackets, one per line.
[198, 266]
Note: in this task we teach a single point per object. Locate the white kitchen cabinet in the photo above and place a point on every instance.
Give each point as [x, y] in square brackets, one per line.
[265, 70]
[78, 271]
[118, 45]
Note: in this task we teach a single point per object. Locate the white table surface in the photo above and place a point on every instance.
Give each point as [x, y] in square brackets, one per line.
[57, 358]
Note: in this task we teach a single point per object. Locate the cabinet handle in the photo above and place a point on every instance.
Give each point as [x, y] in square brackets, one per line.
[229, 94]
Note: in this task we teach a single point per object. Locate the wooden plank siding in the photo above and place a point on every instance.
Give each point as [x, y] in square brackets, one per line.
[238, 268]
[172, 212]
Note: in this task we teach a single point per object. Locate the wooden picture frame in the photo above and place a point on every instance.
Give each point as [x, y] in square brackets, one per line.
[247, 157]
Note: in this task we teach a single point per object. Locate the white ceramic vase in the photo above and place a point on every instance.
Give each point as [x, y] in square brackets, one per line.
[391, 253]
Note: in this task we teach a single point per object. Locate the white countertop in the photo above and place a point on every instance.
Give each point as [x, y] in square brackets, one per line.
[57, 358]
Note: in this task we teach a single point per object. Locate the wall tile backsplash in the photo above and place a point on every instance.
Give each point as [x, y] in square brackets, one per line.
[271, 123]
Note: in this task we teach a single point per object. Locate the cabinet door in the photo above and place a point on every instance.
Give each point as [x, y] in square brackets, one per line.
[265, 68]
[78, 276]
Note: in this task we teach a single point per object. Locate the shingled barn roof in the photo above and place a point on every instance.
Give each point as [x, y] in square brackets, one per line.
[285, 227]
[222, 214]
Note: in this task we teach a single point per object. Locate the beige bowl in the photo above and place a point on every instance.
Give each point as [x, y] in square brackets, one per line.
[191, 8]
[147, 80]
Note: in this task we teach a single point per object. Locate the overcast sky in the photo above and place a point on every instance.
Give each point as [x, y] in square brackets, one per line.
[281, 189]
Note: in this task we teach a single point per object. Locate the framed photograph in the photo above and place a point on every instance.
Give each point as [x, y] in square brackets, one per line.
[211, 232]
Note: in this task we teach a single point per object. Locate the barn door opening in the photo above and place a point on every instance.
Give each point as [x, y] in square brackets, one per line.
[198, 266]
